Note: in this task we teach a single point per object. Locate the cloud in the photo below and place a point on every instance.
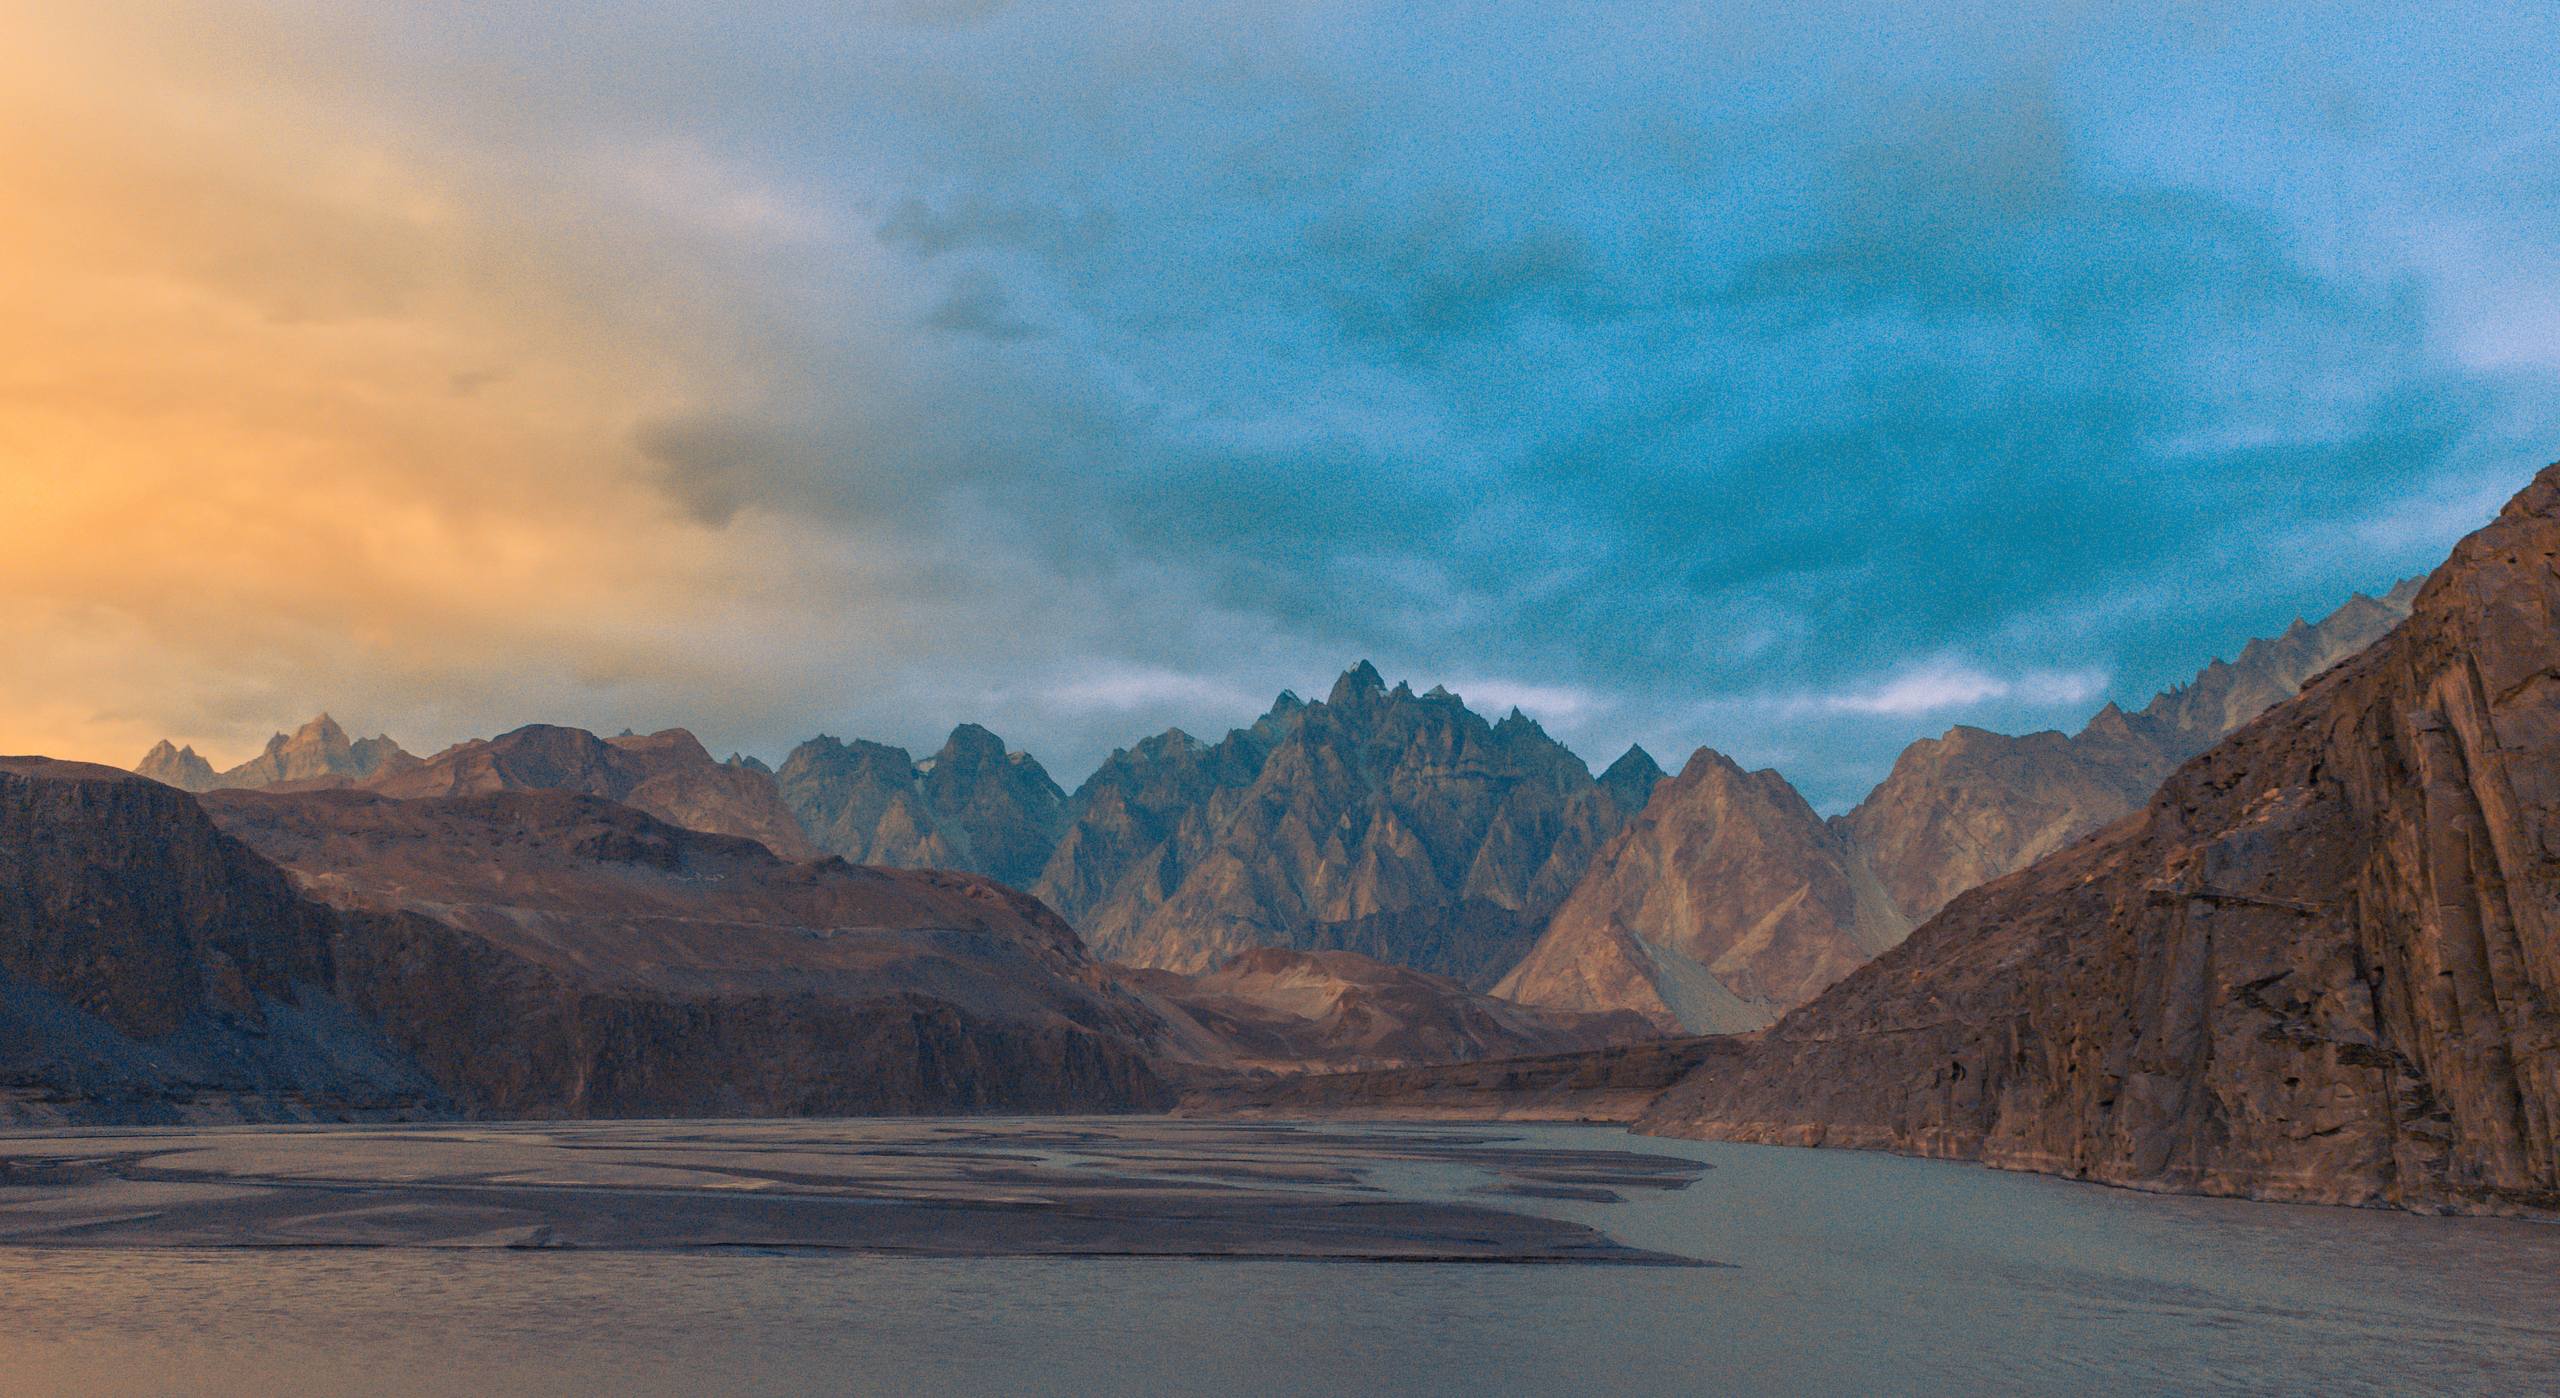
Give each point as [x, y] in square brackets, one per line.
[1082, 368]
[1127, 690]
[1562, 704]
[1943, 685]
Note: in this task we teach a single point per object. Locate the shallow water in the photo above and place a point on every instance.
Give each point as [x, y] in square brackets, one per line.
[1849, 1273]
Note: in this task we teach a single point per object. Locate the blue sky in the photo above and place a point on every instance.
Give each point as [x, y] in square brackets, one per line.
[1794, 383]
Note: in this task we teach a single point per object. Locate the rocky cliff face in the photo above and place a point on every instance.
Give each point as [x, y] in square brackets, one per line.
[1398, 825]
[1728, 902]
[151, 969]
[2322, 963]
[318, 751]
[972, 806]
[668, 774]
[1274, 1010]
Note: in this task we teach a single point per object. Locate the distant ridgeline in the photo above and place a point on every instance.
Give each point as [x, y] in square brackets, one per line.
[1407, 828]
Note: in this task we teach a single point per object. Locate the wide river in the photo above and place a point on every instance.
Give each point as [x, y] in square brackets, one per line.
[1846, 1273]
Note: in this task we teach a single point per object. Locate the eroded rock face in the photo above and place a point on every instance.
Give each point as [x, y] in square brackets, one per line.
[1272, 1009]
[317, 752]
[2322, 963]
[151, 969]
[972, 806]
[1398, 825]
[667, 774]
[1728, 902]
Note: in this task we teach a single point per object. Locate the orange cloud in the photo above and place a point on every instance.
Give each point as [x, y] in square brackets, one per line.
[294, 412]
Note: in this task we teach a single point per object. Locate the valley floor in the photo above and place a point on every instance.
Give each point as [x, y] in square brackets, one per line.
[1110, 1255]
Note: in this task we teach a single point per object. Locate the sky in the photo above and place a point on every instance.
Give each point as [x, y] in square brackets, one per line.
[1797, 384]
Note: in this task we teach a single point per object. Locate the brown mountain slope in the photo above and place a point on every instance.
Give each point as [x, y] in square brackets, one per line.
[667, 774]
[318, 751]
[152, 969]
[1398, 825]
[2323, 963]
[1747, 902]
[521, 954]
[1784, 908]
[971, 806]
[544, 953]
[1272, 1009]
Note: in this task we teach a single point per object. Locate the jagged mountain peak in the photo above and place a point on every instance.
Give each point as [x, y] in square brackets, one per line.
[1633, 777]
[1357, 683]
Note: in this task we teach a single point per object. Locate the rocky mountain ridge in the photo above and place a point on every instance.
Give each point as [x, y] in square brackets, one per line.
[1727, 902]
[1400, 825]
[317, 751]
[2321, 963]
[973, 805]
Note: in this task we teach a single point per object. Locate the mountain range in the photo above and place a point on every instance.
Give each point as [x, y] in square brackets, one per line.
[317, 751]
[2321, 962]
[1728, 901]
[1406, 828]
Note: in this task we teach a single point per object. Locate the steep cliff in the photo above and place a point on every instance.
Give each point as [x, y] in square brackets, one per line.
[1398, 825]
[1966, 808]
[971, 806]
[2322, 963]
[152, 969]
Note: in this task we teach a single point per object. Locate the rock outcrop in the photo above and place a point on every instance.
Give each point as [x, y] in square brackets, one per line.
[318, 751]
[153, 970]
[972, 806]
[1275, 1010]
[1727, 902]
[2322, 963]
[1401, 826]
[667, 774]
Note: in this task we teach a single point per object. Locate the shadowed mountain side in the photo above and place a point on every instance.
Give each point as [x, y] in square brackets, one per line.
[667, 774]
[1290, 1011]
[2322, 964]
[596, 961]
[513, 955]
[152, 969]
[971, 806]
[1400, 825]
